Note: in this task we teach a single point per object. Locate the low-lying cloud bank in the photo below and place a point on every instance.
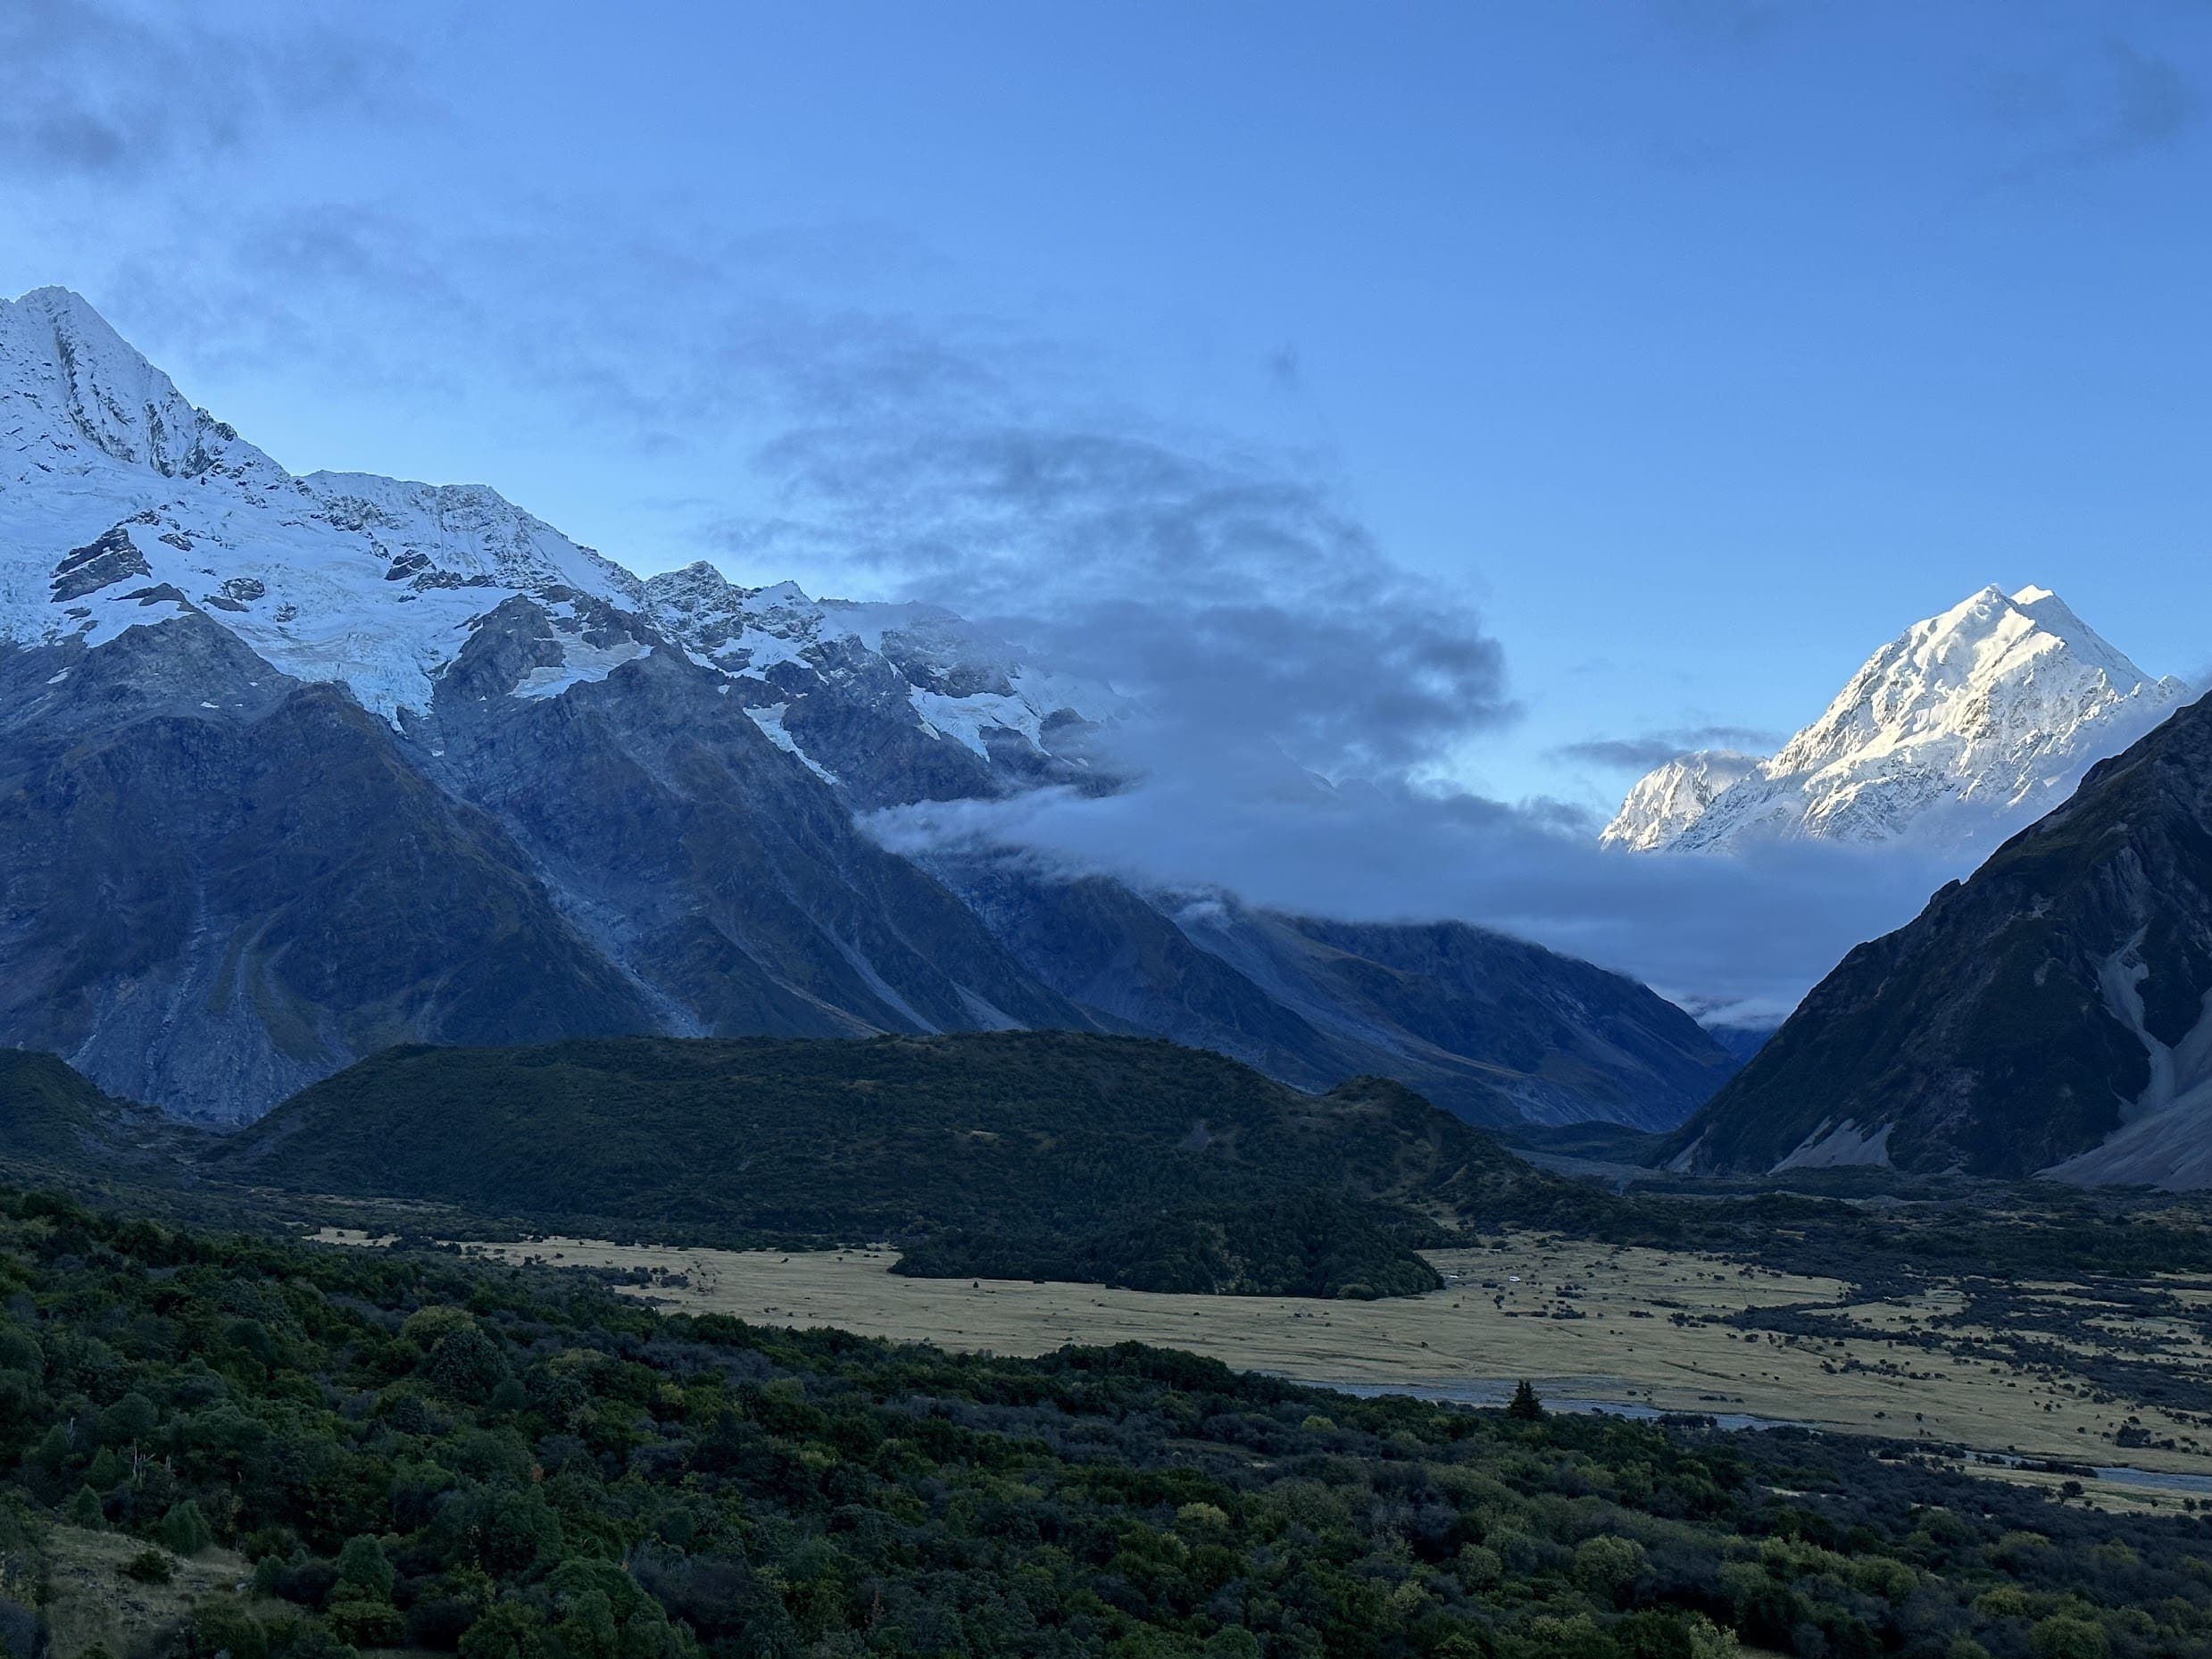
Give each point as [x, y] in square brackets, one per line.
[1300, 703]
[1740, 938]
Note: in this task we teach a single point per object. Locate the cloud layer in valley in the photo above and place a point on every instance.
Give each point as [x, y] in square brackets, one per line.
[1301, 702]
[1741, 938]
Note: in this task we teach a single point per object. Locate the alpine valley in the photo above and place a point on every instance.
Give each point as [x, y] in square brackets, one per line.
[1114, 1094]
[460, 1045]
[294, 768]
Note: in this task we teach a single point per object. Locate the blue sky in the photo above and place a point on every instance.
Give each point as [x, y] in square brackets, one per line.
[1702, 345]
[1672, 355]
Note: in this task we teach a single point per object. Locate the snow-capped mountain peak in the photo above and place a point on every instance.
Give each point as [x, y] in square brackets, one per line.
[73, 393]
[121, 505]
[1957, 731]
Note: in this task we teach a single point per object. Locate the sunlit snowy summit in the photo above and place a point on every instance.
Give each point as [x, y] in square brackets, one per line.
[1962, 729]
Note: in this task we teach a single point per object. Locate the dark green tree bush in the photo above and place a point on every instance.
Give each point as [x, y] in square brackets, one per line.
[411, 1451]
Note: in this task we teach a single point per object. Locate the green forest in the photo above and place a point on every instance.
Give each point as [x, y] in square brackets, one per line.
[409, 1452]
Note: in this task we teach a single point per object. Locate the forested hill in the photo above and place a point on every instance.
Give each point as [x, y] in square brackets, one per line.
[1046, 1152]
[53, 1119]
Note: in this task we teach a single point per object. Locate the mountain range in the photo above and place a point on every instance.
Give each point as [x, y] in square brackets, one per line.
[296, 768]
[1960, 730]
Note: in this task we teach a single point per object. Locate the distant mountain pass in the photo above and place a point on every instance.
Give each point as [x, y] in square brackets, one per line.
[1494, 1029]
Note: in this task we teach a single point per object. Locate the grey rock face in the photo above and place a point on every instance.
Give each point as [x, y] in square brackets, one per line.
[726, 879]
[1562, 1040]
[1493, 1028]
[220, 884]
[108, 558]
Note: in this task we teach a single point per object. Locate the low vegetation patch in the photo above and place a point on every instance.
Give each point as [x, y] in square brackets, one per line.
[1309, 1246]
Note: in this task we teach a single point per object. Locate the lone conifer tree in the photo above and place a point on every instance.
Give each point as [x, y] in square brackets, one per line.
[1525, 1407]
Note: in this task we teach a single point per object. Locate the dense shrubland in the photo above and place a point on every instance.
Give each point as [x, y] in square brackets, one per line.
[410, 1451]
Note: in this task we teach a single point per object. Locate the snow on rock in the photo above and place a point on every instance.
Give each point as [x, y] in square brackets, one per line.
[1842, 1146]
[2166, 1137]
[122, 505]
[465, 534]
[1960, 730]
[581, 660]
[1669, 798]
[958, 682]
[769, 719]
[2165, 1134]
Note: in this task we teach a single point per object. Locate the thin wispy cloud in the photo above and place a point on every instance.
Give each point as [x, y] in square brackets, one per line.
[114, 91]
[1731, 23]
[650, 339]
[1656, 748]
[2122, 102]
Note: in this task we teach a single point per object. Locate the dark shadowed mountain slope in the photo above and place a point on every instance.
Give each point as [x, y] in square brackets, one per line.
[2052, 1014]
[226, 884]
[1741, 1042]
[730, 881]
[1494, 1029]
[1561, 1039]
[222, 884]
